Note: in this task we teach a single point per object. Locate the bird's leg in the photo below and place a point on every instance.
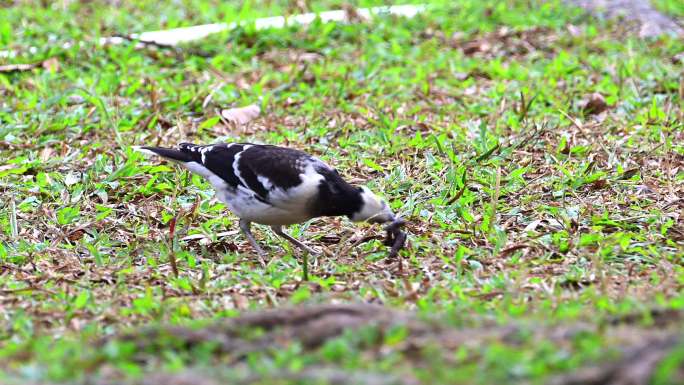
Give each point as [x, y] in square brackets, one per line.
[245, 227]
[279, 230]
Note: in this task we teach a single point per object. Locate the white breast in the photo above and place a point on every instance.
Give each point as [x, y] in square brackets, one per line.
[243, 204]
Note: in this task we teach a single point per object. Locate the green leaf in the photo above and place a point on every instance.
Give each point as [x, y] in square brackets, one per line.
[209, 123]
[67, 215]
[18, 170]
[301, 295]
[103, 211]
[82, 299]
[373, 165]
[589, 239]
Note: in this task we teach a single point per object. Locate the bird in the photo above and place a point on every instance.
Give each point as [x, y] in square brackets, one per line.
[279, 186]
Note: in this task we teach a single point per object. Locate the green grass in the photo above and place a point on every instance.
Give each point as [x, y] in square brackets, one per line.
[670, 7]
[584, 225]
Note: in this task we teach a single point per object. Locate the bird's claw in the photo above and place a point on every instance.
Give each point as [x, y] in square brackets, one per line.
[395, 237]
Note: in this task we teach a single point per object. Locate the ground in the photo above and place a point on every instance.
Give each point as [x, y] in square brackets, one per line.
[536, 152]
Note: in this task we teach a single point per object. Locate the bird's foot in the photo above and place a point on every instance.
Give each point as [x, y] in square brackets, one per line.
[261, 255]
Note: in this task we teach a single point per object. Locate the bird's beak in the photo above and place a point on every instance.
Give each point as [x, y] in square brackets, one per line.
[395, 223]
[382, 218]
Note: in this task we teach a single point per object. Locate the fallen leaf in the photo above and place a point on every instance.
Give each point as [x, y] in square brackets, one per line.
[594, 104]
[241, 115]
[475, 46]
[49, 64]
[75, 99]
[599, 184]
[532, 226]
[574, 30]
[308, 57]
[629, 173]
[71, 179]
[241, 302]
[46, 154]
[338, 288]
[76, 235]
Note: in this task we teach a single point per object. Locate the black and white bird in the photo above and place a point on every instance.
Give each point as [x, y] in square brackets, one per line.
[280, 186]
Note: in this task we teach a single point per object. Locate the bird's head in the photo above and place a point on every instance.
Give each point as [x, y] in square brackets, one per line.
[376, 210]
[373, 209]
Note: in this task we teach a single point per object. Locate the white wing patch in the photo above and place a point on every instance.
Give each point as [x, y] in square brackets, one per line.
[236, 164]
[297, 199]
[204, 151]
[268, 185]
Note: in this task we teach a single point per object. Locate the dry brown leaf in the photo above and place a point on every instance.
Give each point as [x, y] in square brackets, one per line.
[76, 235]
[46, 154]
[308, 57]
[574, 30]
[241, 115]
[475, 46]
[594, 104]
[49, 64]
[599, 184]
[241, 302]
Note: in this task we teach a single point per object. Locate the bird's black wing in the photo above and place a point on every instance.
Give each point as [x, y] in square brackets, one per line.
[271, 173]
[265, 168]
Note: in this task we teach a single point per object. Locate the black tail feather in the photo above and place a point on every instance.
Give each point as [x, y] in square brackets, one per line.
[170, 153]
